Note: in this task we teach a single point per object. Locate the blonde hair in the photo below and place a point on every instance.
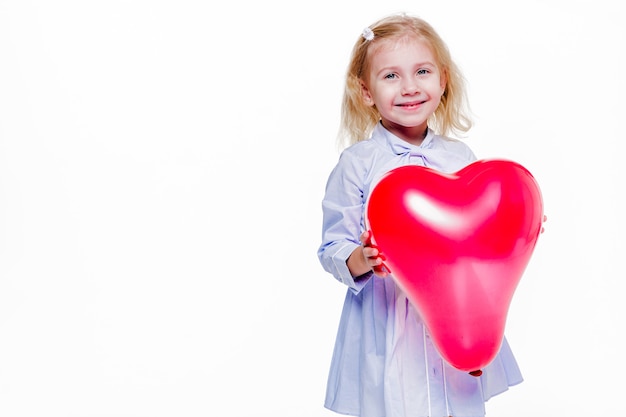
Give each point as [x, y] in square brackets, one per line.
[358, 119]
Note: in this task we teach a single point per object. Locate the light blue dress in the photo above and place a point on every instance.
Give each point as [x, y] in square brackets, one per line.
[384, 363]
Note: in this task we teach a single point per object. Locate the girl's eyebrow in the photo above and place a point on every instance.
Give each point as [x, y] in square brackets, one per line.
[395, 67]
[426, 64]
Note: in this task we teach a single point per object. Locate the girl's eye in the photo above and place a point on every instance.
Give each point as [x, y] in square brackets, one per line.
[390, 76]
[422, 71]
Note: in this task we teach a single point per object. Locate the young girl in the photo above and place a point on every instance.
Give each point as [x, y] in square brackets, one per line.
[403, 94]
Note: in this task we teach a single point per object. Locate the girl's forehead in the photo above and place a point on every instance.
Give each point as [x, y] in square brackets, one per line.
[392, 44]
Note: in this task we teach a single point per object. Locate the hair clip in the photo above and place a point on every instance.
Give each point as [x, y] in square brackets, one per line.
[368, 34]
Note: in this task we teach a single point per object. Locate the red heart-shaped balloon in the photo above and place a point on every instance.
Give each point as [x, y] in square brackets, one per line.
[458, 244]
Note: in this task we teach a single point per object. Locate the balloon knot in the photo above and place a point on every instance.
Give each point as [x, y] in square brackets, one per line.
[476, 373]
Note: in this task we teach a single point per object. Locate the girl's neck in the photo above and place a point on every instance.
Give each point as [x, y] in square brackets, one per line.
[413, 135]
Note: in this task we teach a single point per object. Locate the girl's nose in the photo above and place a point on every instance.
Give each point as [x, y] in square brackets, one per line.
[410, 87]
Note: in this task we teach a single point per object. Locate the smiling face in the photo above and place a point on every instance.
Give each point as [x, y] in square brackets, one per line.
[405, 84]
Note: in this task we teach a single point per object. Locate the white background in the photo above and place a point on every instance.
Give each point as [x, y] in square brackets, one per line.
[162, 165]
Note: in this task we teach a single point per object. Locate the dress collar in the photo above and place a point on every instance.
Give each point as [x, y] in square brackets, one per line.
[400, 146]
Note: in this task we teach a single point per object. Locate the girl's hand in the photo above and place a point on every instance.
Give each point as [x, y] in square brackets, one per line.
[371, 256]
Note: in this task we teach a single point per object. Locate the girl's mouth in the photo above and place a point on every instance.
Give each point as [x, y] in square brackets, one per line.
[411, 105]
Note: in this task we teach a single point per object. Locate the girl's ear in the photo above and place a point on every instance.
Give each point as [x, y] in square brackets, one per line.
[366, 95]
[443, 80]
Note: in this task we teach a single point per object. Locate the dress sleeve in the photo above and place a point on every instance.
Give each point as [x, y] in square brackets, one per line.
[471, 156]
[342, 208]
